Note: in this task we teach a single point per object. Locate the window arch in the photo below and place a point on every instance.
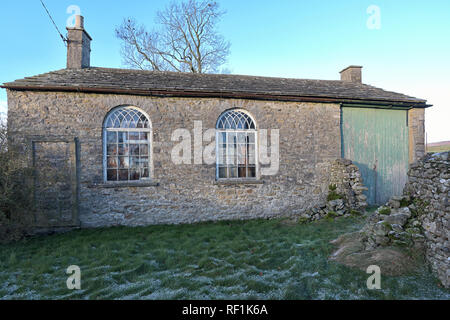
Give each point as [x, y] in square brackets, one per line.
[127, 133]
[236, 146]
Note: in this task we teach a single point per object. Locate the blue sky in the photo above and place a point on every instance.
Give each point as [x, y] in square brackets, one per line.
[287, 38]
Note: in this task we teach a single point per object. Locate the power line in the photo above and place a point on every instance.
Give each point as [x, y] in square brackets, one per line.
[50, 16]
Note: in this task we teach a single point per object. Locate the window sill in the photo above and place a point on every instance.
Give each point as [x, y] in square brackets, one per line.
[237, 182]
[112, 185]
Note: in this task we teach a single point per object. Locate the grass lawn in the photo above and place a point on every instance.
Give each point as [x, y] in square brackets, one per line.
[260, 259]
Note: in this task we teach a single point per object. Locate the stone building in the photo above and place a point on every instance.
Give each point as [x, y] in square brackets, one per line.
[129, 147]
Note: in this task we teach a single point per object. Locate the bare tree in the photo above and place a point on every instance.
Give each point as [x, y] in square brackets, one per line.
[187, 40]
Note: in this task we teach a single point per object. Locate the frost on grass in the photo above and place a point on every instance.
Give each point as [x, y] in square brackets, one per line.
[263, 264]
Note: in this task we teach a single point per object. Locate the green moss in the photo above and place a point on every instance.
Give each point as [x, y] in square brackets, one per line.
[385, 211]
[421, 206]
[303, 220]
[332, 194]
[387, 225]
[355, 212]
[331, 215]
[404, 203]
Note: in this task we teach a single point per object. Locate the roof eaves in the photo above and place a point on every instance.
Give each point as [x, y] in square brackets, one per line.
[221, 94]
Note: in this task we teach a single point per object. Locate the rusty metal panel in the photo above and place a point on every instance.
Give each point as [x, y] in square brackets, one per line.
[376, 140]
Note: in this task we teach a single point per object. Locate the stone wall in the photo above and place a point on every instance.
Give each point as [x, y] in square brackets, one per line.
[429, 185]
[309, 142]
[416, 124]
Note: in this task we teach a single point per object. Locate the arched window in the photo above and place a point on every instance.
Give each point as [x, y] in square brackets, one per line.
[127, 136]
[236, 146]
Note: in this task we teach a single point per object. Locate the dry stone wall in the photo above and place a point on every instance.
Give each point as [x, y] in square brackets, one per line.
[420, 218]
[429, 185]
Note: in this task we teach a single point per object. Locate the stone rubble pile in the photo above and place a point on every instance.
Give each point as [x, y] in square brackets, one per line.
[396, 223]
[345, 196]
[348, 181]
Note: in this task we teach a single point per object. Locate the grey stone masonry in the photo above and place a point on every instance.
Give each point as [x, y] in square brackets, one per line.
[416, 123]
[429, 183]
[309, 135]
[352, 74]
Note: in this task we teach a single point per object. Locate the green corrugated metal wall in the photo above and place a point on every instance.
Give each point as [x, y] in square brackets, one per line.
[376, 140]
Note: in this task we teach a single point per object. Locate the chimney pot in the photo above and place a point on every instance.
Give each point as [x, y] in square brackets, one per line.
[79, 22]
[352, 74]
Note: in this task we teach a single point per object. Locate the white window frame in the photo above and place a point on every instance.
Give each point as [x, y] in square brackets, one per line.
[149, 132]
[254, 131]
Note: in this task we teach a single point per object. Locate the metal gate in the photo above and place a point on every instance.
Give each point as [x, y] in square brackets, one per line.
[55, 192]
[376, 140]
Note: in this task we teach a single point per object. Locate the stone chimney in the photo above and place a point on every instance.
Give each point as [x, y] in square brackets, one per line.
[78, 46]
[352, 74]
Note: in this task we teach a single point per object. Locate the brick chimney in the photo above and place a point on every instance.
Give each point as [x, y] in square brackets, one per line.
[78, 46]
[352, 74]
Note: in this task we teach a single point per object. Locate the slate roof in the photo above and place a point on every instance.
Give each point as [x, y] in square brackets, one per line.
[103, 80]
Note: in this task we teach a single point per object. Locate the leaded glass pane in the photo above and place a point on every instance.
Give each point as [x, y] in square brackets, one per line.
[112, 175]
[223, 172]
[251, 172]
[112, 162]
[241, 137]
[252, 155]
[143, 136]
[242, 172]
[123, 137]
[124, 162]
[222, 137]
[242, 154]
[251, 137]
[134, 174]
[112, 137]
[143, 162]
[133, 137]
[232, 172]
[134, 149]
[145, 173]
[143, 149]
[123, 175]
[112, 150]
